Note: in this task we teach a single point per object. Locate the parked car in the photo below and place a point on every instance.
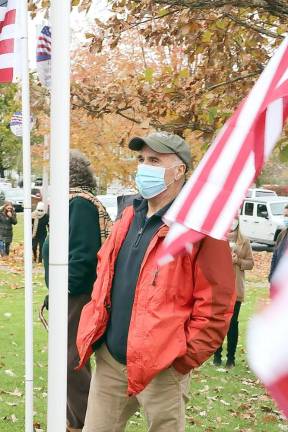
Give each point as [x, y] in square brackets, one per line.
[5, 184]
[16, 197]
[38, 181]
[261, 219]
[110, 203]
[260, 192]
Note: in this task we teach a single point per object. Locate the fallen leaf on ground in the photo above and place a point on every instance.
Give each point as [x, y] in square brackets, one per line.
[9, 373]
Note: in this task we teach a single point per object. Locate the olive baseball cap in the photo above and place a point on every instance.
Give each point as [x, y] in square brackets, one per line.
[163, 142]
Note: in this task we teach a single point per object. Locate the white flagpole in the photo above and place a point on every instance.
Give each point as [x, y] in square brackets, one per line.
[27, 222]
[45, 173]
[59, 215]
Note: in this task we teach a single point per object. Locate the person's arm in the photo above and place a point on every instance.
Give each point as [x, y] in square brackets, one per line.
[84, 243]
[13, 218]
[275, 256]
[45, 255]
[274, 262]
[214, 296]
[246, 262]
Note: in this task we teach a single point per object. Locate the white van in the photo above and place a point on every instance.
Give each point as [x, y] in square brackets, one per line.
[261, 219]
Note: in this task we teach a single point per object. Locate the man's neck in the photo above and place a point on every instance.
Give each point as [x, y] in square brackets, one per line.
[157, 203]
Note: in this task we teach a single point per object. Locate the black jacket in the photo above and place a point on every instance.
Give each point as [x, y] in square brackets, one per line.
[280, 247]
[6, 229]
[84, 243]
[42, 227]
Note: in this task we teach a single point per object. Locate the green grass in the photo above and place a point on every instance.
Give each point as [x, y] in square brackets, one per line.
[12, 342]
[18, 229]
[219, 400]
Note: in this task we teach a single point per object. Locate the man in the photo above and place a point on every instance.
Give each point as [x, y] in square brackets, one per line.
[151, 326]
[281, 244]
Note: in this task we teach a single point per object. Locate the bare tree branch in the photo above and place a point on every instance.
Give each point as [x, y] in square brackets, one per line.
[254, 27]
[252, 74]
[120, 112]
[275, 7]
[176, 127]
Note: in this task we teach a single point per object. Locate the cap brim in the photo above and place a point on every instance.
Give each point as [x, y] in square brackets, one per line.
[136, 143]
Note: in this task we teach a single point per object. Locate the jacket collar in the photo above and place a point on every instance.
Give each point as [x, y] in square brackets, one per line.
[140, 204]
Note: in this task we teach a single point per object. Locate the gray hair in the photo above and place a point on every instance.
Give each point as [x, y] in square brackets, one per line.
[81, 175]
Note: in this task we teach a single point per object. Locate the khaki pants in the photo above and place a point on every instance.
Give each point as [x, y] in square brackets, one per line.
[109, 407]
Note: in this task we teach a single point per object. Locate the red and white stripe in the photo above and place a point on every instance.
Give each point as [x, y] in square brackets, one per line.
[9, 33]
[213, 194]
[44, 45]
[267, 345]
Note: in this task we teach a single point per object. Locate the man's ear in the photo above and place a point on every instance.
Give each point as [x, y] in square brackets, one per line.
[181, 171]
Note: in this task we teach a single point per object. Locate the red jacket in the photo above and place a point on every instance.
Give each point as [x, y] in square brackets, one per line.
[181, 311]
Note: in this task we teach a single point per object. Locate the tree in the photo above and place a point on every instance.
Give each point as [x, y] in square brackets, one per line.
[220, 50]
[194, 61]
[273, 7]
[10, 146]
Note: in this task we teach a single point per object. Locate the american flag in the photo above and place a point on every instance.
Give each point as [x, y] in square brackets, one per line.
[43, 56]
[8, 35]
[16, 119]
[16, 123]
[213, 194]
[267, 347]
[43, 51]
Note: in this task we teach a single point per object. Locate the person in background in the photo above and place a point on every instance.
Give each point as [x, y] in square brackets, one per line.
[281, 244]
[7, 220]
[242, 260]
[2, 198]
[150, 325]
[89, 226]
[40, 225]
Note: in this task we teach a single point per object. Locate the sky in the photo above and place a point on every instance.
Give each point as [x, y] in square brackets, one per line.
[80, 23]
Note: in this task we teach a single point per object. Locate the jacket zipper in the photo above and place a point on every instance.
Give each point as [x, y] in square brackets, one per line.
[139, 235]
[107, 300]
[149, 250]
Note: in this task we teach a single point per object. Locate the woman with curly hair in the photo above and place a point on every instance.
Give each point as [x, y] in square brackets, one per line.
[89, 225]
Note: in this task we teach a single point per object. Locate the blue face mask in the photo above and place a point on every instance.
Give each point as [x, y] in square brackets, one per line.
[285, 221]
[150, 180]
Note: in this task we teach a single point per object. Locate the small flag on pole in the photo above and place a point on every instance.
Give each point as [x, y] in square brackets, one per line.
[213, 194]
[266, 342]
[9, 10]
[43, 56]
[16, 124]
